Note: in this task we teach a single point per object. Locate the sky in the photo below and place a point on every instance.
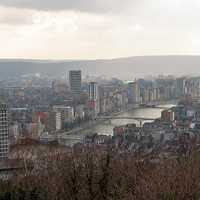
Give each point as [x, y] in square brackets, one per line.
[94, 29]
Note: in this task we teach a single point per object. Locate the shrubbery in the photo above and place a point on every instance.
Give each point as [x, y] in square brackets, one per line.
[95, 174]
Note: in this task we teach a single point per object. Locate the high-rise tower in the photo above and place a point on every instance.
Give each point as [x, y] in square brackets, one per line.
[93, 98]
[4, 137]
[75, 82]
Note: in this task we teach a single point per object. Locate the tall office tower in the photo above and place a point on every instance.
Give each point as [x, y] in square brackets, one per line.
[93, 98]
[75, 82]
[180, 87]
[133, 92]
[93, 91]
[4, 140]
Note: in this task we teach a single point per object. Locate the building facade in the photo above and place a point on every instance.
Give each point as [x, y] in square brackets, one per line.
[4, 137]
[133, 92]
[93, 98]
[75, 82]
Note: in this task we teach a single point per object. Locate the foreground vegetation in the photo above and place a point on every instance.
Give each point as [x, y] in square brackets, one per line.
[94, 174]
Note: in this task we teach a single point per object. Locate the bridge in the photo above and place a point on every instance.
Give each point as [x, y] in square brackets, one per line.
[160, 107]
[69, 140]
[154, 106]
[124, 117]
[70, 137]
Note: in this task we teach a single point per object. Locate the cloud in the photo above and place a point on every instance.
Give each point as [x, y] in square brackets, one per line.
[13, 16]
[94, 6]
[98, 28]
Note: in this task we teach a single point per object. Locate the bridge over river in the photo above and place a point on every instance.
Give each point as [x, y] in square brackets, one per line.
[125, 117]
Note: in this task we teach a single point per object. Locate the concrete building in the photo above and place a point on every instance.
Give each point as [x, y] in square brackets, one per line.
[4, 138]
[79, 112]
[14, 133]
[180, 87]
[58, 121]
[93, 91]
[93, 98]
[60, 87]
[75, 82]
[54, 121]
[133, 92]
[67, 113]
[168, 115]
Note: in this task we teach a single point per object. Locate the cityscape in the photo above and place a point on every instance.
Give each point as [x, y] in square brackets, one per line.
[153, 119]
[143, 115]
[99, 100]
[46, 110]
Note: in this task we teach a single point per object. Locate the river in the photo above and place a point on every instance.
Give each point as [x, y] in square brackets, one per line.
[106, 127]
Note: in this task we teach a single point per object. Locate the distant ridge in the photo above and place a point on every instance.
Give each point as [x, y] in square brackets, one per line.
[119, 67]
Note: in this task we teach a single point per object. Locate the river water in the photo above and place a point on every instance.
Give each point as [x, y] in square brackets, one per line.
[106, 127]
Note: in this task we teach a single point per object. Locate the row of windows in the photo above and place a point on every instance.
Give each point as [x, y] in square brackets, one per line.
[2, 134]
[3, 142]
[5, 149]
[3, 119]
[3, 115]
[3, 131]
[3, 155]
[3, 126]
[3, 122]
[3, 145]
[3, 110]
[3, 139]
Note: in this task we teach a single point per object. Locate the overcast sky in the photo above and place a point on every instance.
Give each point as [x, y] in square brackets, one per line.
[90, 29]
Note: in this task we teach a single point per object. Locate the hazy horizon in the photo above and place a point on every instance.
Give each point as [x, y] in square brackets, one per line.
[96, 59]
[123, 68]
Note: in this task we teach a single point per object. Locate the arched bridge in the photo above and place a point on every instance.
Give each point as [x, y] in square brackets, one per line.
[160, 107]
[155, 106]
[124, 117]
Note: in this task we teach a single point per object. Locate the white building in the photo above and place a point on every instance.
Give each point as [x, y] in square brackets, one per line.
[58, 121]
[67, 113]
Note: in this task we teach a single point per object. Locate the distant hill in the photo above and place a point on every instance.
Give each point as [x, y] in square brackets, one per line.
[121, 67]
